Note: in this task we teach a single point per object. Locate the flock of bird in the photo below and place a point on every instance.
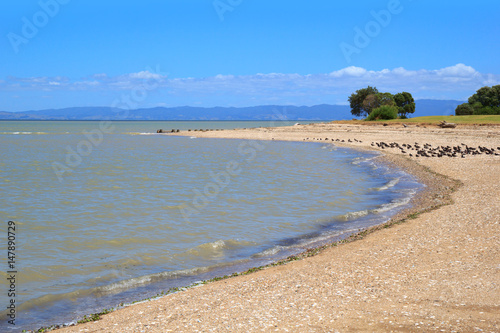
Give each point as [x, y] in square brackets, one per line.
[413, 150]
[338, 140]
[426, 150]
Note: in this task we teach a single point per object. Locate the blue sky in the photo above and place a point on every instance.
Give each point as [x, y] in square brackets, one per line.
[134, 54]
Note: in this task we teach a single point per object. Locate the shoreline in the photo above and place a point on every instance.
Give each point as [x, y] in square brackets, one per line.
[306, 251]
[437, 194]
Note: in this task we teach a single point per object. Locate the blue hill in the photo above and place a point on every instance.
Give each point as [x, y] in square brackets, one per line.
[424, 107]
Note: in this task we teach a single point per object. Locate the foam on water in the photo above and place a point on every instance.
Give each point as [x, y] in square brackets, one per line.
[391, 183]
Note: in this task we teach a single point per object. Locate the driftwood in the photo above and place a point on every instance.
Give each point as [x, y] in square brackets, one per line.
[444, 124]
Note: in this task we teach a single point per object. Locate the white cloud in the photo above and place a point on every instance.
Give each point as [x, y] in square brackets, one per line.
[145, 75]
[224, 77]
[403, 72]
[349, 71]
[454, 82]
[459, 70]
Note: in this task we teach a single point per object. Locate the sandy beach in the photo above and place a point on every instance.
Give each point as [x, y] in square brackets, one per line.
[434, 268]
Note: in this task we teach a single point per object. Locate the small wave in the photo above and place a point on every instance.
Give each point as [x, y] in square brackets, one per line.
[352, 215]
[392, 205]
[359, 160]
[301, 244]
[24, 133]
[110, 289]
[43, 301]
[224, 244]
[269, 252]
[388, 185]
[215, 250]
[324, 238]
[220, 244]
[120, 286]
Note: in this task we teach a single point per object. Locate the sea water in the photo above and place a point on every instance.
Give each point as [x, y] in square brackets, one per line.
[110, 213]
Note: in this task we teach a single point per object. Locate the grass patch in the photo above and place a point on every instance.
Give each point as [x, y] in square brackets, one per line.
[468, 120]
[474, 119]
[94, 316]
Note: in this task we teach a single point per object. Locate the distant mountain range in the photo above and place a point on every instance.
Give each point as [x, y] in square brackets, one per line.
[424, 107]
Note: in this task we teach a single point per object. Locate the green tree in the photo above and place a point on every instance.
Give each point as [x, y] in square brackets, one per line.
[487, 96]
[464, 110]
[370, 103]
[385, 99]
[405, 103]
[356, 101]
[487, 110]
[485, 101]
[374, 101]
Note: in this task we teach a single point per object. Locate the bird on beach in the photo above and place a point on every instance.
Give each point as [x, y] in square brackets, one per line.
[427, 150]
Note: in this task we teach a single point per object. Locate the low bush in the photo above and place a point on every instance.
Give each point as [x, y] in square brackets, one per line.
[464, 110]
[385, 112]
[488, 110]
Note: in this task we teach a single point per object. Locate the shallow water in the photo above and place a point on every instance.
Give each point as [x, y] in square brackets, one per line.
[111, 218]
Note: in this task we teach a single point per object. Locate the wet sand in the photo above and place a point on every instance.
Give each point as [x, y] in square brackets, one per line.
[434, 268]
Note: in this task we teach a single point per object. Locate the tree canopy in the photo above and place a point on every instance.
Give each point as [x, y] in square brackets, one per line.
[485, 101]
[405, 103]
[356, 101]
[374, 101]
[365, 100]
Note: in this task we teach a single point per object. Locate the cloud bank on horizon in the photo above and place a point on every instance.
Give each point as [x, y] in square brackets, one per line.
[454, 82]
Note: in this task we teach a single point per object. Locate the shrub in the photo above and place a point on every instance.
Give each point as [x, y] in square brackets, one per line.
[385, 112]
[487, 110]
[464, 110]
